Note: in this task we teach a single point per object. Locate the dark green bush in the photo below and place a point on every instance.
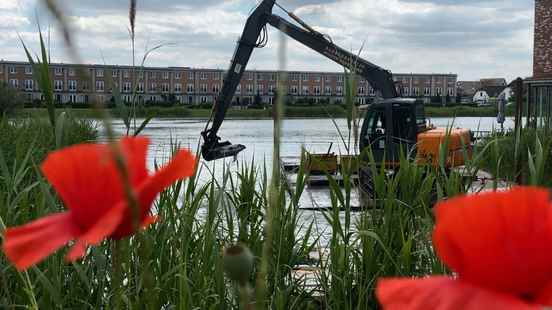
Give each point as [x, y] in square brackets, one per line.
[9, 99]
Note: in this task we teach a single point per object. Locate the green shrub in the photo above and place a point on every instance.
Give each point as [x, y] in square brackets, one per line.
[9, 99]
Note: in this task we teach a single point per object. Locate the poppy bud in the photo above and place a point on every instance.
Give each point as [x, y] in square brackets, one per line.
[238, 263]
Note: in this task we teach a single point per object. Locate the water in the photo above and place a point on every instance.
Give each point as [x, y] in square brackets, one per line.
[315, 135]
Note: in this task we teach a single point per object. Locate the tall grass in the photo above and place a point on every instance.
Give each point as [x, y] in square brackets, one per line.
[178, 262]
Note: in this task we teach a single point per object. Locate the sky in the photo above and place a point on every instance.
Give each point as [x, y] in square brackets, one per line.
[472, 38]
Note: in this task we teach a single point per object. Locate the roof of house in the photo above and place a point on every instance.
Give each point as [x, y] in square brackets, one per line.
[493, 91]
[493, 82]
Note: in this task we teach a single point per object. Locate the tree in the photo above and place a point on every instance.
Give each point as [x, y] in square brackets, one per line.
[9, 99]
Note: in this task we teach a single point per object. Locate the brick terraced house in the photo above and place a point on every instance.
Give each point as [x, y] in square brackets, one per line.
[540, 85]
[190, 86]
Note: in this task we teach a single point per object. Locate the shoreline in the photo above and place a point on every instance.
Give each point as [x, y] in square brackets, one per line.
[320, 112]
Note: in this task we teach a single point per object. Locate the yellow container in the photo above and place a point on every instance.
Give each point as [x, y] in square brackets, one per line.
[349, 162]
[321, 163]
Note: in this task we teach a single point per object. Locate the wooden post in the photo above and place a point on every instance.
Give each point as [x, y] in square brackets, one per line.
[519, 126]
[518, 86]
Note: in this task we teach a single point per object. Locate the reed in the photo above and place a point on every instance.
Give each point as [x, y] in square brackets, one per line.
[178, 263]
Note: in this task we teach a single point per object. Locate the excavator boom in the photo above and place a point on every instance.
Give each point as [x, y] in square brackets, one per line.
[380, 79]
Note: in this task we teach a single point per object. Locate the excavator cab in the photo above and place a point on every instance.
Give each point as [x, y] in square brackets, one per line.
[392, 125]
[399, 125]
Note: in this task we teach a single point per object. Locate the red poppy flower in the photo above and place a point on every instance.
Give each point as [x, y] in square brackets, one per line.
[88, 181]
[498, 244]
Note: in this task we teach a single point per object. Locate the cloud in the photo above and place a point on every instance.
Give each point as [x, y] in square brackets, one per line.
[472, 38]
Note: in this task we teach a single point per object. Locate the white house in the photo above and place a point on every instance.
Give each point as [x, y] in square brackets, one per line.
[488, 95]
[481, 98]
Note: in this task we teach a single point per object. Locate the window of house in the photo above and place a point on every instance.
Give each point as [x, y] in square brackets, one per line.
[305, 77]
[339, 90]
[294, 89]
[190, 88]
[328, 90]
[14, 83]
[99, 73]
[12, 70]
[178, 88]
[28, 70]
[427, 91]
[127, 88]
[28, 84]
[58, 85]
[327, 79]
[340, 79]
[250, 76]
[100, 86]
[361, 90]
[260, 88]
[203, 88]
[271, 88]
[114, 73]
[178, 76]
[190, 75]
[165, 88]
[406, 91]
[203, 76]
[151, 75]
[72, 85]
[140, 88]
[451, 91]
[153, 87]
[58, 71]
[249, 88]
[125, 74]
[165, 75]
[305, 90]
[438, 91]
[238, 89]
[216, 88]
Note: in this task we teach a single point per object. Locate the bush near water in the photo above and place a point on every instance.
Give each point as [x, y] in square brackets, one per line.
[323, 111]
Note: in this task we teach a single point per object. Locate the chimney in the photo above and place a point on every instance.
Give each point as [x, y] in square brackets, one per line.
[542, 54]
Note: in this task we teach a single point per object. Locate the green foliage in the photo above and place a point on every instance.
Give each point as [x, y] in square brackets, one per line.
[525, 159]
[41, 73]
[9, 99]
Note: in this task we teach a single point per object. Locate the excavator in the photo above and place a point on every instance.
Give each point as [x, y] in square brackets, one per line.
[390, 126]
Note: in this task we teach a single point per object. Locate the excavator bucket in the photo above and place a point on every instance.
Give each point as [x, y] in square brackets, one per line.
[221, 150]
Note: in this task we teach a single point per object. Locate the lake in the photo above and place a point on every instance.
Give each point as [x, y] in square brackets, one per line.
[316, 135]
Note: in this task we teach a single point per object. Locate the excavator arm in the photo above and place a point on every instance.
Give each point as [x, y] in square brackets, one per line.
[380, 79]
